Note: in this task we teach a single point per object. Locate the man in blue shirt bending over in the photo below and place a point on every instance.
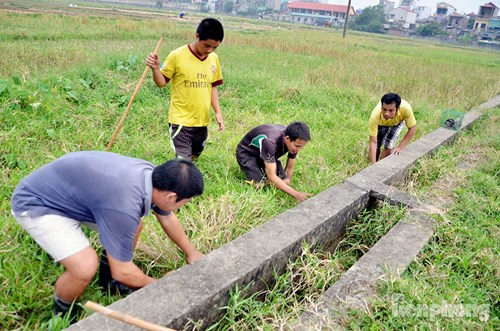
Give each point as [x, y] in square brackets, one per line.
[109, 193]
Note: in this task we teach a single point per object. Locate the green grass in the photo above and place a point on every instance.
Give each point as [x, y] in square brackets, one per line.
[65, 81]
[307, 277]
[459, 267]
[452, 284]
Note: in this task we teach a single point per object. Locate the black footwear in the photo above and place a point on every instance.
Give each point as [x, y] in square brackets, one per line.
[115, 287]
[106, 281]
[104, 272]
[66, 311]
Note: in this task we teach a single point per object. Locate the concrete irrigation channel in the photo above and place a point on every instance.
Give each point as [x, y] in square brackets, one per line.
[196, 293]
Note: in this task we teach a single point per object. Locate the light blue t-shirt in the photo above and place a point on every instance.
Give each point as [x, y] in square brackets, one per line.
[108, 189]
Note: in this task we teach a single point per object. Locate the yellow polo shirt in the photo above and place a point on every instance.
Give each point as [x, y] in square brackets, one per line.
[404, 113]
[192, 80]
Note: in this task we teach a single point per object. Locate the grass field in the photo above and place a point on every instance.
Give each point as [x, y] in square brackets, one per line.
[451, 285]
[66, 75]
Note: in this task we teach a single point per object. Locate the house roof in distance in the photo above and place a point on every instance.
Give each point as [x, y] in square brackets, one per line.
[318, 6]
[490, 5]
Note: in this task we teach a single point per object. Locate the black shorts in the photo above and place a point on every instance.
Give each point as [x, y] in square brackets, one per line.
[255, 170]
[187, 142]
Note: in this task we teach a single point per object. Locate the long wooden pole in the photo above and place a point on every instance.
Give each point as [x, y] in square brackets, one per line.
[144, 74]
[125, 318]
[346, 18]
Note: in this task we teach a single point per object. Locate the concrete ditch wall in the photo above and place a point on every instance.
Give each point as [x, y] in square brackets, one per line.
[358, 285]
[196, 293]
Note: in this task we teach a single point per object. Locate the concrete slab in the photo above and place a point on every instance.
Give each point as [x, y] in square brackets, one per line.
[197, 292]
[355, 289]
[492, 103]
[399, 246]
[395, 197]
[393, 168]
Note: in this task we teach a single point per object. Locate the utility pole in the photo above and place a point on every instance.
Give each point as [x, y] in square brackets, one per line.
[346, 18]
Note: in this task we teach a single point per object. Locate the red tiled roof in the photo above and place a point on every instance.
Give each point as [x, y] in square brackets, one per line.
[489, 5]
[317, 6]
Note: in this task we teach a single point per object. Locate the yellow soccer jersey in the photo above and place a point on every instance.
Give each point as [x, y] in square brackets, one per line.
[192, 80]
[404, 113]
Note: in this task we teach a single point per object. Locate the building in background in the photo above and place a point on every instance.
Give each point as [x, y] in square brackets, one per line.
[486, 13]
[423, 12]
[444, 9]
[273, 4]
[494, 24]
[406, 3]
[317, 13]
[388, 6]
[404, 16]
[457, 22]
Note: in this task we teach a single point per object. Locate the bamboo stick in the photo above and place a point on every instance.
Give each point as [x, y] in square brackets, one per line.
[141, 81]
[125, 318]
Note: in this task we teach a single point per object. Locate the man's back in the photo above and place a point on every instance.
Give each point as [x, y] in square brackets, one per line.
[79, 183]
[264, 141]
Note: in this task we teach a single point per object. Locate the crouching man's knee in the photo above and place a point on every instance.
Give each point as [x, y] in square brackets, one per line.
[83, 265]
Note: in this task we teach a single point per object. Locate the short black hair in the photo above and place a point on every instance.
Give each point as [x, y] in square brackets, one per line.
[210, 28]
[179, 176]
[298, 130]
[391, 98]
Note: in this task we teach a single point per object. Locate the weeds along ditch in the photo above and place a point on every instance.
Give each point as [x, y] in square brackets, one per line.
[308, 277]
[452, 283]
[65, 81]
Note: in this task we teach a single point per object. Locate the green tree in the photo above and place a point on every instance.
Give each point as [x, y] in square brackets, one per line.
[371, 19]
[467, 38]
[228, 6]
[430, 30]
[470, 23]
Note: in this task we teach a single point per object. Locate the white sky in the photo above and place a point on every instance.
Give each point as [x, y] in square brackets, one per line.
[462, 6]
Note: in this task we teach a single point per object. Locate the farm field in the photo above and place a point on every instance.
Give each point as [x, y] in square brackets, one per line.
[67, 73]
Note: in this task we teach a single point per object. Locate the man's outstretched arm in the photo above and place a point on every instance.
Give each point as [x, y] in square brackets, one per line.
[174, 230]
[281, 185]
[406, 139]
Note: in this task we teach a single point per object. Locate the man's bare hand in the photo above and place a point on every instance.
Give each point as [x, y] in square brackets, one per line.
[397, 150]
[302, 196]
[194, 256]
[153, 61]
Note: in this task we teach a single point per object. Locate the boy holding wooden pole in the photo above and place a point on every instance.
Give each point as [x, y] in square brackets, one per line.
[195, 73]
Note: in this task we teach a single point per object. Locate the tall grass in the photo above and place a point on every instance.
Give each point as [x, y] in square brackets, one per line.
[306, 278]
[66, 77]
[458, 267]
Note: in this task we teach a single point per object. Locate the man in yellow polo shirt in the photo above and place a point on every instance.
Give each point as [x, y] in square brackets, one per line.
[194, 71]
[386, 122]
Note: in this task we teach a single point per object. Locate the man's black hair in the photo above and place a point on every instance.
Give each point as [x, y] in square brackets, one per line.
[391, 98]
[179, 176]
[210, 28]
[298, 130]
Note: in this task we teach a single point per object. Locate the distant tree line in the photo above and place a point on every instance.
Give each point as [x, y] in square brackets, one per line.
[371, 19]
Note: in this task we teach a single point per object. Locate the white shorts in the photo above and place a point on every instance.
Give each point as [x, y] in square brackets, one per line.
[59, 236]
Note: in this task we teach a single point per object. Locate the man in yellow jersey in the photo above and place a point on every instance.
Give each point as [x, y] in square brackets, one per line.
[386, 122]
[195, 73]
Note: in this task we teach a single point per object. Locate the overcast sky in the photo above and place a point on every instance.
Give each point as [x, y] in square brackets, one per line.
[462, 6]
